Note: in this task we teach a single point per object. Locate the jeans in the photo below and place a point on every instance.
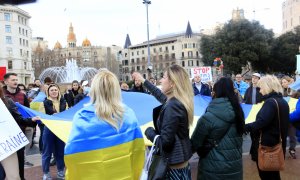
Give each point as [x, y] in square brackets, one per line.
[50, 142]
[292, 136]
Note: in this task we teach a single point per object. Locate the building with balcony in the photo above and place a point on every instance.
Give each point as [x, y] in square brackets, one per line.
[176, 48]
[15, 39]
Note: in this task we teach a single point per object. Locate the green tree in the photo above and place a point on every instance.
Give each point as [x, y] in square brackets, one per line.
[238, 43]
[284, 50]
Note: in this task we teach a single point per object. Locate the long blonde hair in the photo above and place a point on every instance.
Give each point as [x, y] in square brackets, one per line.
[106, 96]
[182, 89]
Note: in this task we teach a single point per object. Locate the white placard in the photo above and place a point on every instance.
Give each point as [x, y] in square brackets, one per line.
[204, 72]
[11, 136]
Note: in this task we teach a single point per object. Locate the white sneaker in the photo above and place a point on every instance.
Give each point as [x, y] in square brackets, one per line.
[47, 176]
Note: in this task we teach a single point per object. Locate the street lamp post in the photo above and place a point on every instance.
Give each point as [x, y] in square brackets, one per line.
[147, 3]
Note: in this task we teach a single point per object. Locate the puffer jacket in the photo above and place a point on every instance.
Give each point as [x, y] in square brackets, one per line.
[218, 124]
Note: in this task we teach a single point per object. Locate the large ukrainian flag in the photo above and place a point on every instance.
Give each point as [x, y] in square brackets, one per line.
[95, 150]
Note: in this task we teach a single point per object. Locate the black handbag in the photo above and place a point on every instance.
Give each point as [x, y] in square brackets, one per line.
[159, 165]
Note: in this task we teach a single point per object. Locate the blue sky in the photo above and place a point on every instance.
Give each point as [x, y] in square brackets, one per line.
[106, 22]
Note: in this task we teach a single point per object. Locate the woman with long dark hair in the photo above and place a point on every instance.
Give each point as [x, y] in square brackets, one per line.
[218, 135]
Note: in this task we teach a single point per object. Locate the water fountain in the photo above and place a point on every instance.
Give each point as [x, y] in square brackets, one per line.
[68, 73]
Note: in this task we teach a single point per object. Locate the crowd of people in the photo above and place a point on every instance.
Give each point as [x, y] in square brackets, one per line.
[217, 138]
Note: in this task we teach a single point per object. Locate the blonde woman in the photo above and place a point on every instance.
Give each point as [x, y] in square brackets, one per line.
[172, 119]
[106, 120]
[267, 122]
[53, 103]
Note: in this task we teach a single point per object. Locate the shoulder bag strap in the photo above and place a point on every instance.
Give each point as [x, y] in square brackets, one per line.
[280, 139]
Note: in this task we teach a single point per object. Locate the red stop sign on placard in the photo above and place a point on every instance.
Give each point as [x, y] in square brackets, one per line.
[2, 72]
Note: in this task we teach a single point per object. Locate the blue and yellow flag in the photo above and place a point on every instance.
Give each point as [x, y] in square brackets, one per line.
[95, 150]
[104, 152]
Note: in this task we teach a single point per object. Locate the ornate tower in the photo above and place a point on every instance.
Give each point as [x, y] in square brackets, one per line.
[71, 37]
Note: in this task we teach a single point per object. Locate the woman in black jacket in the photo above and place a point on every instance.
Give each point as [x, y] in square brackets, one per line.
[54, 103]
[267, 122]
[14, 164]
[172, 119]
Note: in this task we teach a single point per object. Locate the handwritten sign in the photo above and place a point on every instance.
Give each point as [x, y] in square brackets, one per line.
[204, 72]
[11, 136]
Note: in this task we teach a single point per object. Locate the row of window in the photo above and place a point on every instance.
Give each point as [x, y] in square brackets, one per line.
[189, 45]
[23, 42]
[84, 53]
[21, 20]
[160, 49]
[10, 65]
[190, 63]
[23, 31]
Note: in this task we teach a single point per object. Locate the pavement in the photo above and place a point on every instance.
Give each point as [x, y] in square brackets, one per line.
[291, 172]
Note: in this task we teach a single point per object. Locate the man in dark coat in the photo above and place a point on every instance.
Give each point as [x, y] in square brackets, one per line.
[200, 88]
[252, 95]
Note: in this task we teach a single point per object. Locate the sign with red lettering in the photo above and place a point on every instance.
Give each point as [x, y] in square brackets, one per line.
[204, 72]
[11, 136]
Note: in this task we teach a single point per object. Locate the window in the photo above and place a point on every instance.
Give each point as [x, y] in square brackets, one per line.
[20, 30]
[9, 65]
[138, 68]
[197, 53]
[160, 49]
[160, 57]
[70, 54]
[173, 48]
[132, 53]
[167, 57]
[154, 50]
[137, 53]
[23, 31]
[185, 45]
[198, 63]
[143, 59]
[27, 54]
[191, 63]
[194, 45]
[182, 63]
[21, 52]
[9, 51]
[20, 41]
[7, 16]
[126, 62]
[23, 42]
[25, 65]
[8, 40]
[19, 19]
[173, 55]
[132, 60]
[189, 45]
[143, 52]
[7, 28]
[182, 54]
[26, 33]
[190, 54]
[138, 60]
[25, 21]
[167, 48]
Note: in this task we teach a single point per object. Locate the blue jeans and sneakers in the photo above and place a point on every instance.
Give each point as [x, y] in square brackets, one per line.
[52, 143]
